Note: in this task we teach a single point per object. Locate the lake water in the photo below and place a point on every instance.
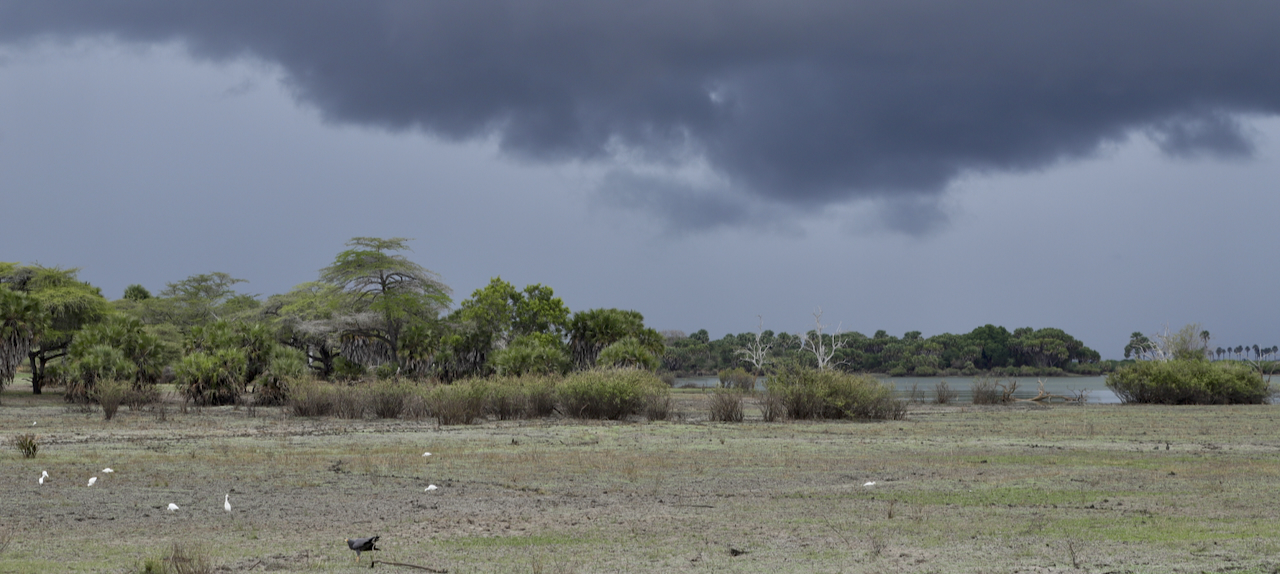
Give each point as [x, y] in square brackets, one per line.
[925, 387]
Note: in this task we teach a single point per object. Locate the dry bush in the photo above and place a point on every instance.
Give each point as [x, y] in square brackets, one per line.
[991, 392]
[737, 378]
[459, 403]
[772, 407]
[726, 406]
[657, 406]
[943, 394]
[387, 399]
[310, 399]
[141, 396]
[350, 402]
[541, 395]
[25, 444]
[109, 394]
[506, 399]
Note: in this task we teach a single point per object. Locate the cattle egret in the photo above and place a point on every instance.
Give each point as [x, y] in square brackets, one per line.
[872, 483]
[33, 423]
[172, 507]
[431, 487]
[362, 545]
[93, 480]
[226, 502]
[43, 475]
[107, 471]
[426, 454]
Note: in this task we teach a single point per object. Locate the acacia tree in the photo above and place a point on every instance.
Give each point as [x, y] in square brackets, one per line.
[385, 294]
[67, 305]
[308, 318]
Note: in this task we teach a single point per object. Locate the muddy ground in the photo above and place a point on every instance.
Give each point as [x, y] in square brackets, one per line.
[1098, 488]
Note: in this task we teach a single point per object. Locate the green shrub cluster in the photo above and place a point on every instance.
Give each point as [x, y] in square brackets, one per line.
[737, 378]
[813, 394]
[609, 393]
[1188, 382]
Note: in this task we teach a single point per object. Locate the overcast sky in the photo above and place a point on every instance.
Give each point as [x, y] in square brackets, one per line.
[1099, 167]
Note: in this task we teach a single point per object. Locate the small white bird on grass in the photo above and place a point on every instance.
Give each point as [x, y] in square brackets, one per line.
[426, 454]
[33, 423]
[226, 502]
[431, 487]
[107, 471]
[93, 480]
[43, 475]
[872, 483]
[172, 507]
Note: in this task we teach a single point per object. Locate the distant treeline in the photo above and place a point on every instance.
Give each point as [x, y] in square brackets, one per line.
[987, 349]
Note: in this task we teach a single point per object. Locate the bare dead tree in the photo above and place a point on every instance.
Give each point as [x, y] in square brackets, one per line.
[757, 352]
[823, 348]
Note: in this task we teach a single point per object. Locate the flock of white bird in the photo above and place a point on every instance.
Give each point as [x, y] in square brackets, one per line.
[226, 499]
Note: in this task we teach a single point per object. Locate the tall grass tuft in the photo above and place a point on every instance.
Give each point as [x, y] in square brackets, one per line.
[609, 393]
[25, 444]
[726, 406]
[813, 394]
[351, 402]
[109, 394]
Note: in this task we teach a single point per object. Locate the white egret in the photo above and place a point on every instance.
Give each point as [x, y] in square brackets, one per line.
[431, 487]
[872, 483]
[93, 480]
[33, 423]
[43, 475]
[226, 502]
[426, 454]
[107, 471]
[172, 507]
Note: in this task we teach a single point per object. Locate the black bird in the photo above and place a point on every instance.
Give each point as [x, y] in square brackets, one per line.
[362, 545]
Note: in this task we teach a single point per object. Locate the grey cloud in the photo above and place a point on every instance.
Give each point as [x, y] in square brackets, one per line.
[807, 104]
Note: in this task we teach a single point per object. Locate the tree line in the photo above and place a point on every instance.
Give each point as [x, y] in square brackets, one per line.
[987, 349]
[371, 311]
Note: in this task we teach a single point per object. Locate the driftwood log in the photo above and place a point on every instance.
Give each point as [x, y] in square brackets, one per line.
[1041, 397]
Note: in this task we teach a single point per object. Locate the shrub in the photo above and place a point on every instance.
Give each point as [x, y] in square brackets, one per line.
[985, 392]
[110, 394]
[459, 403]
[25, 444]
[94, 364]
[1188, 382]
[310, 398]
[272, 387]
[898, 371]
[726, 406]
[350, 402]
[211, 378]
[608, 393]
[657, 406]
[771, 406]
[387, 399]
[534, 354]
[943, 394]
[737, 378]
[627, 352]
[925, 371]
[808, 393]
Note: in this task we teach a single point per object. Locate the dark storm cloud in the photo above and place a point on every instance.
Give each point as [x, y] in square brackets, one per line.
[803, 104]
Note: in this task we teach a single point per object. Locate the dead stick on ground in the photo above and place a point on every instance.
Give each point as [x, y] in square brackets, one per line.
[408, 566]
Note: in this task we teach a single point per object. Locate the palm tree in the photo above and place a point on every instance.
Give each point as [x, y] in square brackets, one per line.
[21, 320]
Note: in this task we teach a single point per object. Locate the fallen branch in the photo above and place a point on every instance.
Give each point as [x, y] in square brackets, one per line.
[408, 566]
[1045, 396]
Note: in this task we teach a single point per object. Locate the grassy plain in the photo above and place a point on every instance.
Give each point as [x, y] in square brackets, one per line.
[1098, 488]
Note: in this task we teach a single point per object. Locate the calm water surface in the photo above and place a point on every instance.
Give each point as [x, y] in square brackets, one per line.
[925, 387]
